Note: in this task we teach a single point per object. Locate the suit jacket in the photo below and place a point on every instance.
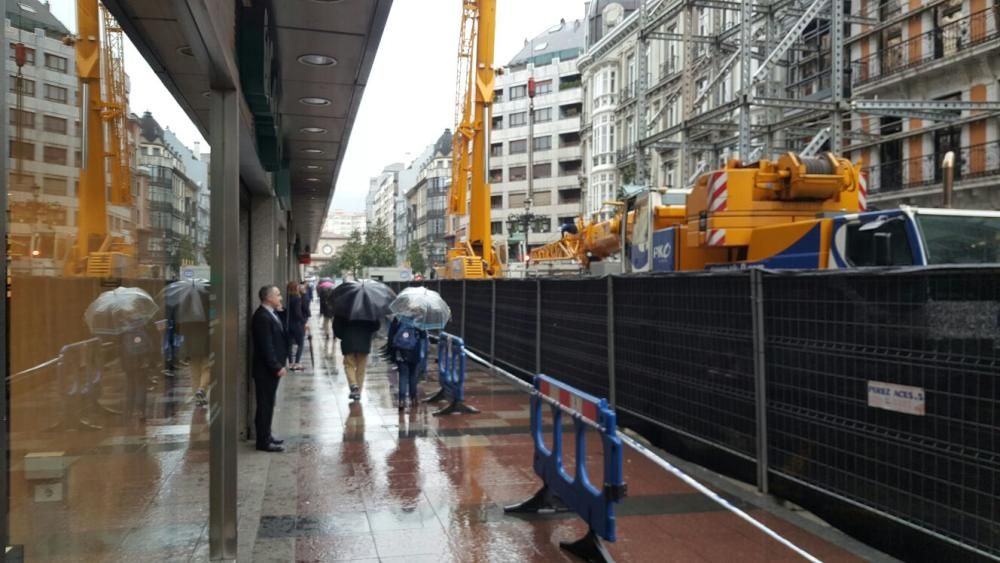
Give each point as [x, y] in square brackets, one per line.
[270, 344]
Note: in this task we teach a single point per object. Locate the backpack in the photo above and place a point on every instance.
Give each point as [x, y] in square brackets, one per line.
[405, 338]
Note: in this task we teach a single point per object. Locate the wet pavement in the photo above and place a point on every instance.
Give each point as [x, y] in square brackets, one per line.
[361, 481]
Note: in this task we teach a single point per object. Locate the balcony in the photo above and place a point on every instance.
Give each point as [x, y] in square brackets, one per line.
[628, 92]
[948, 41]
[971, 162]
[626, 155]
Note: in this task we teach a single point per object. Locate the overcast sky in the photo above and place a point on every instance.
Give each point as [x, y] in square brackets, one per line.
[410, 97]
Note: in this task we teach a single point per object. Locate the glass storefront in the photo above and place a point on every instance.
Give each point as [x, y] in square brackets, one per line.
[110, 314]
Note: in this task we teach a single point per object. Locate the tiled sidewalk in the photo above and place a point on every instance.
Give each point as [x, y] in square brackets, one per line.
[360, 481]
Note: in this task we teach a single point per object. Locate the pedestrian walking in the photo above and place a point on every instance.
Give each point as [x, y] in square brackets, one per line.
[295, 317]
[326, 309]
[270, 352]
[355, 344]
[407, 348]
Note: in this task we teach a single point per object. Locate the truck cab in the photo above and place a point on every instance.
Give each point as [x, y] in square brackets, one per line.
[911, 236]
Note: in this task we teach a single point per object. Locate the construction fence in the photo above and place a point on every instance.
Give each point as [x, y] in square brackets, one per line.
[880, 389]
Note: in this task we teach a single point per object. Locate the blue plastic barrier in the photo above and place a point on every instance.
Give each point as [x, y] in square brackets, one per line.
[560, 491]
[451, 370]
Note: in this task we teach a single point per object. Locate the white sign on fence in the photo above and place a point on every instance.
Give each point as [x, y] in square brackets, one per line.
[899, 398]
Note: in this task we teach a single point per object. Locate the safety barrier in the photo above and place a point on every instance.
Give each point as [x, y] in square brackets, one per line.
[559, 490]
[451, 373]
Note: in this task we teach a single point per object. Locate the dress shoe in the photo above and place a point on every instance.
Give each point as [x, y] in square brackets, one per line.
[271, 448]
[276, 441]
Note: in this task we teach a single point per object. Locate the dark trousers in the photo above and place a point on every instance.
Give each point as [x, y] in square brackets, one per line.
[407, 379]
[266, 387]
[297, 337]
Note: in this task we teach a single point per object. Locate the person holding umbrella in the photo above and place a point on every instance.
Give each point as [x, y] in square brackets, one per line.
[187, 301]
[295, 317]
[125, 314]
[416, 310]
[325, 292]
[359, 308]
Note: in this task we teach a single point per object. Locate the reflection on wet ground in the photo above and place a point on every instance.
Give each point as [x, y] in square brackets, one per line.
[362, 481]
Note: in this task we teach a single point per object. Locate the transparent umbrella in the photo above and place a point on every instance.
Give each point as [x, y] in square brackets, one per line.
[423, 307]
[120, 310]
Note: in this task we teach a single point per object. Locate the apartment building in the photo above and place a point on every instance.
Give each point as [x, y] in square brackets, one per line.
[427, 202]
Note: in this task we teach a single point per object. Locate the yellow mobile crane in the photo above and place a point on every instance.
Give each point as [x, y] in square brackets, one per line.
[474, 257]
[96, 252]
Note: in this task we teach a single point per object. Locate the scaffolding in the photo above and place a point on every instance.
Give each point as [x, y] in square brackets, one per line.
[735, 68]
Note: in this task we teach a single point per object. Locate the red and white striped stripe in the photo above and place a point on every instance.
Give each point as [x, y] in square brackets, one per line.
[569, 399]
[862, 192]
[718, 192]
[716, 237]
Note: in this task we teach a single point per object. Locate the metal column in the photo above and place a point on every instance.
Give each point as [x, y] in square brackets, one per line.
[4, 315]
[746, 36]
[493, 321]
[611, 341]
[538, 325]
[642, 72]
[461, 326]
[760, 379]
[837, 74]
[225, 237]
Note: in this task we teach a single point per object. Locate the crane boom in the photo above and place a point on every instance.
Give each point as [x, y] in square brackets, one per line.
[475, 256]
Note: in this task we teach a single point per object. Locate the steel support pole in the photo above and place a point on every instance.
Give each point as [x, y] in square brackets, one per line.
[225, 271]
[760, 379]
[746, 36]
[493, 321]
[4, 315]
[837, 74]
[611, 342]
[461, 326]
[642, 72]
[538, 325]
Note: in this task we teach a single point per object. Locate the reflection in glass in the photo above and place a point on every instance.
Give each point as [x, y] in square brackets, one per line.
[109, 309]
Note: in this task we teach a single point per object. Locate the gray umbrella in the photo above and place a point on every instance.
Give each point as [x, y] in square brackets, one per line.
[362, 300]
[189, 300]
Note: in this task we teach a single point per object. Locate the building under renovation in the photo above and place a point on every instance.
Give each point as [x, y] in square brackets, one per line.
[676, 87]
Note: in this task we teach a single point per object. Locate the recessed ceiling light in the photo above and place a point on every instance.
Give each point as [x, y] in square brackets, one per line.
[316, 130]
[312, 179]
[207, 93]
[313, 101]
[317, 60]
[313, 167]
[313, 151]
[185, 50]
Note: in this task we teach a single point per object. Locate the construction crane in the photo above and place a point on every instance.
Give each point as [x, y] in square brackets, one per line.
[794, 213]
[100, 62]
[474, 257]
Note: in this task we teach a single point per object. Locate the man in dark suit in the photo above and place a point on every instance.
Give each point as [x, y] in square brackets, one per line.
[270, 343]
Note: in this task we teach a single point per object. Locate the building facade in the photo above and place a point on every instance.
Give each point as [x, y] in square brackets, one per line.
[689, 113]
[427, 203]
[382, 193]
[176, 182]
[556, 157]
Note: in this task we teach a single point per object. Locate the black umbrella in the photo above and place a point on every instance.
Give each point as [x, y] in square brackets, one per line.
[362, 300]
[189, 299]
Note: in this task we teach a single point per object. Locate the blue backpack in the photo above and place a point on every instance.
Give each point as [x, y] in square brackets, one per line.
[405, 338]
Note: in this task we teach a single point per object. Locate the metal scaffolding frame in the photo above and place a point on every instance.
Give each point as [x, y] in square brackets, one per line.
[758, 117]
